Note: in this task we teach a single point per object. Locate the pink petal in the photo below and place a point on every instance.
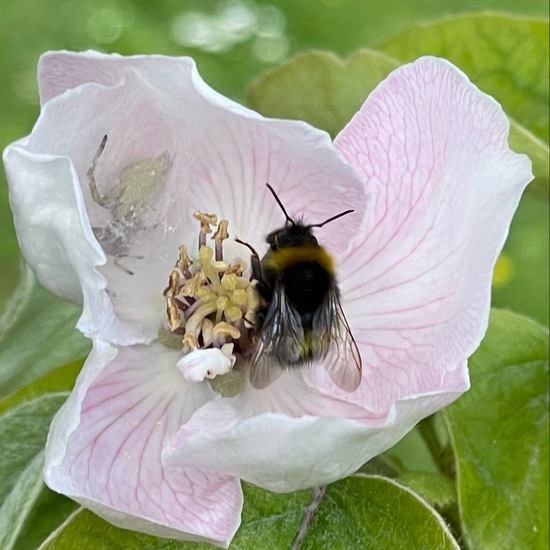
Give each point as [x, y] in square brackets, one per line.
[60, 71]
[433, 152]
[105, 445]
[286, 437]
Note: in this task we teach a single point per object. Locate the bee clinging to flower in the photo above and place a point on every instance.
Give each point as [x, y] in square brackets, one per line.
[300, 319]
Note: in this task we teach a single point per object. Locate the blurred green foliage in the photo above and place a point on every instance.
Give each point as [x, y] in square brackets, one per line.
[234, 41]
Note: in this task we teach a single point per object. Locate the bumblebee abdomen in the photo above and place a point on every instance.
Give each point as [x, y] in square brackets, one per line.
[306, 285]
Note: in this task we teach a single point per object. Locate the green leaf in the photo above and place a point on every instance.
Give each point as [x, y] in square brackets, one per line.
[360, 512]
[20, 500]
[30, 511]
[500, 434]
[269, 521]
[507, 57]
[412, 453]
[436, 488]
[49, 511]
[375, 512]
[319, 87]
[37, 334]
[23, 430]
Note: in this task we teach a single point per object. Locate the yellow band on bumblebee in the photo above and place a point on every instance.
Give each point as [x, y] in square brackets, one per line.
[286, 257]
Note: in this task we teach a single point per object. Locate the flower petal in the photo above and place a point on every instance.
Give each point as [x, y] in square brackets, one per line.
[433, 152]
[105, 444]
[229, 152]
[54, 232]
[210, 154]
[285, 437]
[204, 363]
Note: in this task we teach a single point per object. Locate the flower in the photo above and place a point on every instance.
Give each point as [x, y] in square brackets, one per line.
[156, 438]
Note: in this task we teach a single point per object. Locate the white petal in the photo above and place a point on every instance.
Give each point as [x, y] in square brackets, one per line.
[56, 239]
[204, 363]
[304, 441]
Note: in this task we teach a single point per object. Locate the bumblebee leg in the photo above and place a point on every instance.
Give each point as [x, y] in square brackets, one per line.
[255, 264]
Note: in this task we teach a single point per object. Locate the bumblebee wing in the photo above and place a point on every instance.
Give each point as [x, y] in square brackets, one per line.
[334, 342]
[280, 340]
[264, 370]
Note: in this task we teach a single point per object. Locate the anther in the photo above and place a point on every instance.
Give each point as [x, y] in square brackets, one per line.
[184, 262]
[223, 329]
[206, 221]
[173, 314]
[174, 286]
[219, 236]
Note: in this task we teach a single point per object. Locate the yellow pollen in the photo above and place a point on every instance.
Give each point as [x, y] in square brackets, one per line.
[229, 282]
[196, 281]
[233, 313]
[222, 302]
[206, 294]
[209, 266]
[239, 298]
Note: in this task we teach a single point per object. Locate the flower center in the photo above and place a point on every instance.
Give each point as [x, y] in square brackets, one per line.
[209, 303]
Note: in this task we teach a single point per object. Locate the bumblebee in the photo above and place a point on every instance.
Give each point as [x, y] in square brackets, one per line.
[300, 319]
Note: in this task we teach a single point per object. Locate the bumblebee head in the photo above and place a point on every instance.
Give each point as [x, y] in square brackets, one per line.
[295, 233]
[292, 234]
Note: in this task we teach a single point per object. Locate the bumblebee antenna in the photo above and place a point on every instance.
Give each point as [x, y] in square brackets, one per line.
[288, 218]
[291, 221]
[332, 219]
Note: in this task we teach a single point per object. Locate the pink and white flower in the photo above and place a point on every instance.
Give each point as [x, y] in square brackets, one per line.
[157, 439]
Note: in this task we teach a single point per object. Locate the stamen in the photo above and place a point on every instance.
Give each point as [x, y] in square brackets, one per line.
[207, 329]
[193, 323]
[219, 236]
[226, 330]
[210, 302]
[206, 221]
[173, 287]
[184, 262]
[173, 313]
